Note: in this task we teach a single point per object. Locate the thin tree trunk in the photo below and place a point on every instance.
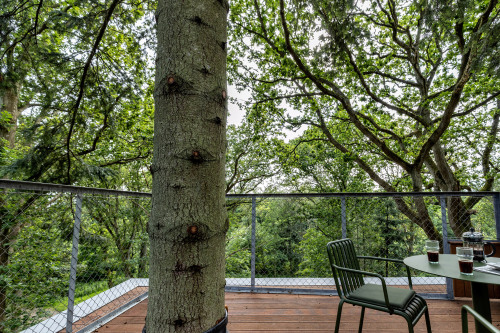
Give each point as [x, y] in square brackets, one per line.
[10, 105]
[141, 268]
[188, 220]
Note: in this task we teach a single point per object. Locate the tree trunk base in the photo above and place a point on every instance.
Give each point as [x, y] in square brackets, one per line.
[219, 328]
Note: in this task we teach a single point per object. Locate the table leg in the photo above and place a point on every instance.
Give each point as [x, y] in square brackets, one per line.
[481, 303]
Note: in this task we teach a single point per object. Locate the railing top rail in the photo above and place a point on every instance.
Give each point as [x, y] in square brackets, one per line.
[364, 194]
[45, 187]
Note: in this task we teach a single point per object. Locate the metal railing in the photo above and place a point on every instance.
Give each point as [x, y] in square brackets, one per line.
[355, 215]
[73, 257]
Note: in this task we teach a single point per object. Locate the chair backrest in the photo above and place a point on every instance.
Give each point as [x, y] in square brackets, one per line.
[341, 253]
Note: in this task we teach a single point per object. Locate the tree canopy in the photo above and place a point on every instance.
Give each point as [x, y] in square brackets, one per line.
[75, 89]
[407, 90]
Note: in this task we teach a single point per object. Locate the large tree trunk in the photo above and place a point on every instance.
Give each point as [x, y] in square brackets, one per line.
[188, 219]
[420, 216]
[458, 212]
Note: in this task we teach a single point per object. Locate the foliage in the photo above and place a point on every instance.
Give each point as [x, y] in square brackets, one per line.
[40, 276]
[251, 163]
[404, 90]
[76, 108]
[79, 74]
[238, 242]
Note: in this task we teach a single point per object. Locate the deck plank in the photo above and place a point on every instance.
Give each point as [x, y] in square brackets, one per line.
[280, 313]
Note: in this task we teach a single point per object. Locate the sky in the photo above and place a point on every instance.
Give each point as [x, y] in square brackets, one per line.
[236, 115]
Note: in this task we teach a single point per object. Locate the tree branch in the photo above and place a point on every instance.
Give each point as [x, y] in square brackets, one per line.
[475, 107]
[139, 156]
[231, 183]
[82, 83]
[40, 4]
[336, 91]
[377, 99]
[265, 35]
[288, 96]
[410, 83]
[463, 78]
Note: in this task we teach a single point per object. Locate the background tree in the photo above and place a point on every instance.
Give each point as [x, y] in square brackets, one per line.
[251, 162]
[73, 76]
[74, 98]
[411, 85]
[188, 220]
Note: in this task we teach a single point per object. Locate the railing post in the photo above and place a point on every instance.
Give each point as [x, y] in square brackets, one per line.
[254, 222]
[74, 262]
[446, 245]
[496, 207]
[343, 215]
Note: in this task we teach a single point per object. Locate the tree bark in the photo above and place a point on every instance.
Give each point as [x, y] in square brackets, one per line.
[9, 100]
[10, 105]
[188, 219]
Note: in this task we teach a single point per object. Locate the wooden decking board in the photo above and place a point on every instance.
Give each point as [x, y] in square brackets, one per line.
[99, 313]
[280, 313]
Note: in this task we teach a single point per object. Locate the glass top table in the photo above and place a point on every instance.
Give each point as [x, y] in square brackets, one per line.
[448, 267]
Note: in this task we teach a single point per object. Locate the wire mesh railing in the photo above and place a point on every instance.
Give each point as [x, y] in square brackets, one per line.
[281, 248]
[69, 257]
[73, 257]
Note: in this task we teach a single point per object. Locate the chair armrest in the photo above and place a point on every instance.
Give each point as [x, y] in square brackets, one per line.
[384, 286]
[380, 258]
[486, 324]
[399, 261]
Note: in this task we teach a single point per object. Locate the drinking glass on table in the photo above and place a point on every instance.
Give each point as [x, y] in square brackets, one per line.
[432, 248]
[465, 262]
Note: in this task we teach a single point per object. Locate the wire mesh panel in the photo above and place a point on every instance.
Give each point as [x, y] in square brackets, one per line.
[112, 256]
[385, 227]
[461, 218]
[35, 258]
[239, 243]
[291, 232]
[280, 246]
[67, 263]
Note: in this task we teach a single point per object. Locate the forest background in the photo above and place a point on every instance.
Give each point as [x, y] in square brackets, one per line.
[392, 96]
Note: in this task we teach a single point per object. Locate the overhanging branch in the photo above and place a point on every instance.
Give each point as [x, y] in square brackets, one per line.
[86, 69]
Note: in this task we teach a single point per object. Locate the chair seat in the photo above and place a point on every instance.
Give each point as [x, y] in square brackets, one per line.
[373, 293]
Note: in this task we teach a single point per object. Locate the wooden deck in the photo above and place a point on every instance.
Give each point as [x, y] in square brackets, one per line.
[304, 313]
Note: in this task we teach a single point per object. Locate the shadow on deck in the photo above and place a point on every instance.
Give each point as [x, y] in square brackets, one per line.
[306, 313]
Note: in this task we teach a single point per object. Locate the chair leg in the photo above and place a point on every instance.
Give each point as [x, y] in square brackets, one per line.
[428, 321]
[361, 319]
[410, 327]
[339, 314]
[409, 321]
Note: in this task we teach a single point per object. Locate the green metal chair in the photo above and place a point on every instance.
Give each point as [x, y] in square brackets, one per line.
[486, 324]
[352, 288]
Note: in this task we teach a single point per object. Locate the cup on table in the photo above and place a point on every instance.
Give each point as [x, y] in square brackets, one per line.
[465, 262]
[432, 248]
